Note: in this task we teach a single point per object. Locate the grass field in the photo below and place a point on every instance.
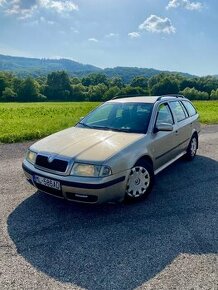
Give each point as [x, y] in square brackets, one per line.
[28, 121]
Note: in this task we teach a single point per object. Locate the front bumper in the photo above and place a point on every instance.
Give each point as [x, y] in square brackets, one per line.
[81, 189]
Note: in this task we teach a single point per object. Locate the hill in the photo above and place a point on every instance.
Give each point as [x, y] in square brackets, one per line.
[24, 66]
[35, 66]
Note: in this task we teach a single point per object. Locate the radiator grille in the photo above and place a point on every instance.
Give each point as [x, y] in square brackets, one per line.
[55, 165]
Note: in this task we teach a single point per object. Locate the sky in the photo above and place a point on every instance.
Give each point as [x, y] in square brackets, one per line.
[175, 35]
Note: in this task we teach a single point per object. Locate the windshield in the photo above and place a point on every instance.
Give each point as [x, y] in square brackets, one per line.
[125, 117]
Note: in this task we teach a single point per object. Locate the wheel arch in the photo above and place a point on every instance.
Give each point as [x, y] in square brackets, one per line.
[145, 158]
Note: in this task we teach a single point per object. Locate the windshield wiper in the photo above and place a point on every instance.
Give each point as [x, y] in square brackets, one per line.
[121, 130]
[101, 128]
[85, 125]
[94, 127]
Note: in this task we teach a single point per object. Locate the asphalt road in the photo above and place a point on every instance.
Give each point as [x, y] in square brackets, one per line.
[170, 241]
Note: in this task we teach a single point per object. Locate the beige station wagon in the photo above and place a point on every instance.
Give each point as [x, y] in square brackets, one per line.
[114, 152]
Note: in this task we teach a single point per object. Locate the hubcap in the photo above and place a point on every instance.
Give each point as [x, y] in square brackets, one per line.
[193, 147]
[138, 182]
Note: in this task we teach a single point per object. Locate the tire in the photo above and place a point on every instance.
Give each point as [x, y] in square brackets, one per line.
[192, 148]
[140, 182]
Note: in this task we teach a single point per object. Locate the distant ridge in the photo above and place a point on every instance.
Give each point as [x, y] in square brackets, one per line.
[25, 66]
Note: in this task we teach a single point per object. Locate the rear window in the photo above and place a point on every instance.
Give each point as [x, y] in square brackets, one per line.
[190, 108]
[178, 110]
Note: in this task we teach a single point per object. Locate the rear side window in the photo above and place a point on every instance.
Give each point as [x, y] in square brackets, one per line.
[178, 110]
[190, 108]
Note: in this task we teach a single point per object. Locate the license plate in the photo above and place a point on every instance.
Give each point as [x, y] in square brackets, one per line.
[47, 182]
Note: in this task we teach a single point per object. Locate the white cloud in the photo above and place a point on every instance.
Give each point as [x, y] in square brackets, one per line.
[15, 7]
[110, 35]
[58, 5]
[157, 24]
[93, 39]
[187, 4]
[134, 34]
[25, 9]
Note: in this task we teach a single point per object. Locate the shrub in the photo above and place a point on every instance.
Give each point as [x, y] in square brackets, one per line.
[193, 94]
[214, 95]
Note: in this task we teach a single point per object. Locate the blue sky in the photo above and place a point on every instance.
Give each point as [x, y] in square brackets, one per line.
[180, 35]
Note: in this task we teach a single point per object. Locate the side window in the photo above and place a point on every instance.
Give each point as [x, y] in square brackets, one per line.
[191, 110]
[164, 115]
[178, 110]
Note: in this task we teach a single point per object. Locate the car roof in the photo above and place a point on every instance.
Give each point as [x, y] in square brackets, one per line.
[145, 99]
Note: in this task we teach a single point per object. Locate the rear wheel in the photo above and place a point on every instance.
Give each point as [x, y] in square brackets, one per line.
[192, 148]
[140, 182]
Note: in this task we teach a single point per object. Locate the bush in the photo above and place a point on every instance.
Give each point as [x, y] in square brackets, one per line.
[96, 93]
[41, 98]
[8, 95]
[214, 95]
[111, 93]
[193, 94]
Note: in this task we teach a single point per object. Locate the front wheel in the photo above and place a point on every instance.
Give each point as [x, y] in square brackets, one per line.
[192, 148]
[140, 182]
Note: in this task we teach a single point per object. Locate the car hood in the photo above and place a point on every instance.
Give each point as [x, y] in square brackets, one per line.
[86, 144]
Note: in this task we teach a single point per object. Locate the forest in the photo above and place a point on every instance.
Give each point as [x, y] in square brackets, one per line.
[60, 86]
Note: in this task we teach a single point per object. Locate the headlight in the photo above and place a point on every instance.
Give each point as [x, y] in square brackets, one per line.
[89, 170]
[31, 156]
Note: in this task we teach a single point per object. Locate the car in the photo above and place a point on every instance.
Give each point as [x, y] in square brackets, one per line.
[114, 152]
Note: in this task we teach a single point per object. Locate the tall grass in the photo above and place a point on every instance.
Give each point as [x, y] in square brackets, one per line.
[28, 121]
[208, 111]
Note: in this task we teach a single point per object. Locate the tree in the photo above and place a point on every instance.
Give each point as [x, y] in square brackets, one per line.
[58, 86]
[188, 83]
[78, 92]
[193, 94]
[140, 81]
[8, 95]
[29, 90]
[155, 80]
[3, 83]
[116, 82]
[128, 90]
[16, 84]
[214, 95]
[165, 86]
[96, 93]
[75, 81]
[95, 79]
[111, 93]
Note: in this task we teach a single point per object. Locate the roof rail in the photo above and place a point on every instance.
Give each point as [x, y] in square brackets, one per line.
[170, 95]
[126, 96]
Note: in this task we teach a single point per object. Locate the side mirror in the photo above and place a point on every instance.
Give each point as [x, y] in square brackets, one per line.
[164, 127]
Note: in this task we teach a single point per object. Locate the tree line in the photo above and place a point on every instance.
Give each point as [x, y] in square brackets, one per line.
[59, 86]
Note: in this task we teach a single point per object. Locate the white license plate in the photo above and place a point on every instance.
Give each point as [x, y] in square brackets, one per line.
[47, 182]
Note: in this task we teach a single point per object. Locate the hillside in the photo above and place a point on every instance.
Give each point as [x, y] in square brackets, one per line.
[23, 66]
[35, 66]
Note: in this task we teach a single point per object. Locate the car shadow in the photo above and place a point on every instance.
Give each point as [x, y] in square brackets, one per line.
[117, 246]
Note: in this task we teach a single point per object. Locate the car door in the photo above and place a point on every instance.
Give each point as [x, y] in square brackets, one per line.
[184, 126]
[164, 142]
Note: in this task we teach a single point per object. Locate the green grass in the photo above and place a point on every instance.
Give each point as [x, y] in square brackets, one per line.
[29, 121]
[208, 111]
